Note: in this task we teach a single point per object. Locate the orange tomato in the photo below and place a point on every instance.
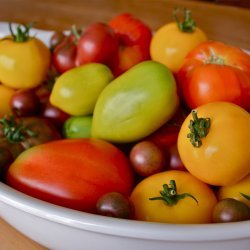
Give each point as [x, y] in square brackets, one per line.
[222, 158]
[170, 44]
[5, 96]
[186, 210]
[234, 191]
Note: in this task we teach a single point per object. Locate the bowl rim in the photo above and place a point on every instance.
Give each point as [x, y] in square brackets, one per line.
[122, 227]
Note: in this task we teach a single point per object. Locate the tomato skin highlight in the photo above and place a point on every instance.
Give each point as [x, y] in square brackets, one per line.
[74, 175]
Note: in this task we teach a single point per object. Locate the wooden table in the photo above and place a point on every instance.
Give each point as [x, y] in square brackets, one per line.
[230, 24]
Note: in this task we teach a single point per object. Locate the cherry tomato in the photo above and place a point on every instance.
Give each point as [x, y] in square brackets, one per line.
[230, 210]
[214, 71]
[25, 103]
[56, 38]
[115, 204]
[173, 197]
[147, 158]
[97, 44]
[214, 142]
[64, 55]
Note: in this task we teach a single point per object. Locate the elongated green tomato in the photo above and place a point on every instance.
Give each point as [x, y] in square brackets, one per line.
[78, 127]
[136, 103]
[76, 91]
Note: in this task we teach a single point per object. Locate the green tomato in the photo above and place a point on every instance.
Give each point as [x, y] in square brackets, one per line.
[135, 104]
[76, 91]
[78, 127]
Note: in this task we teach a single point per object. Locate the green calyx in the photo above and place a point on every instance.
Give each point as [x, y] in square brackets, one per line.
[170, 196]
[199, 128]
[188, 24]
[246, 196]
[22, 32]
[14, 131]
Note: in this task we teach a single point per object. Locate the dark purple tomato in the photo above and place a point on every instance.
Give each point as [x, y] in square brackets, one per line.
[54, 114]
[116, 205]
[25, 103]
[147, 158]
[175, 162]
[230, 210]
[6, 158]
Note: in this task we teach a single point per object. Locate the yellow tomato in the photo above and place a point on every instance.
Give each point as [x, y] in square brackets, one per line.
[222, 156]
[5, 96]
[195, 209]
[23, 63]
[172, 42]
[234, 191]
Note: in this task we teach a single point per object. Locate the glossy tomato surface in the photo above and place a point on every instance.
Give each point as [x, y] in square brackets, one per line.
[214, 71]
[222, 158]
[72, 173]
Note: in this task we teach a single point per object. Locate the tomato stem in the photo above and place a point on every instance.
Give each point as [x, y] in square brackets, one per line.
[188, 24]
[199, 128]
[14, 131]
[22, 32]
[169, 194]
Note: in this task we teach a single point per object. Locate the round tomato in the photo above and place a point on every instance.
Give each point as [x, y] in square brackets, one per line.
[5, 95]
[72, 173]
[172, 42]
[24, 60]
[214, 71]
[236, 191]
[173, 197]
[214, 142]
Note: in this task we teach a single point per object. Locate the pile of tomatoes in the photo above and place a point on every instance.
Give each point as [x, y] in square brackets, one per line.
[194, 168]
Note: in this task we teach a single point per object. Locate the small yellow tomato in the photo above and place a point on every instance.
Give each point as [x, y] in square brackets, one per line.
[172, 42]
[24, 61]
[193, 200]
[214, 142]
[236, 190]
[5, 96]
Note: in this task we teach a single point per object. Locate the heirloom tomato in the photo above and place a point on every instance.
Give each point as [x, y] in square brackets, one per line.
[173, 197]
[214, 142]
[24, 60]
[72, 173]
[172, 42]
[214, 71]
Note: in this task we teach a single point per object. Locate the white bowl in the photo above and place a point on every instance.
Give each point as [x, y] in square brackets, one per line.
[61, 228]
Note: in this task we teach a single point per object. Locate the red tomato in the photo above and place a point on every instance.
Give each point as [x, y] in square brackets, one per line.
[72, 173]
[97, 44]
[214, 71]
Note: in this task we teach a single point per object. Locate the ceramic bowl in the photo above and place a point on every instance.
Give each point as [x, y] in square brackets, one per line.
[60, 228]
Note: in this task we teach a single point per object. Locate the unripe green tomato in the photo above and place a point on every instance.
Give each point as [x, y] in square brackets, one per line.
[77, 127]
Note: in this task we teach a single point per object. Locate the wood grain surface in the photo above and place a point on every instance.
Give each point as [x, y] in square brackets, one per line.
[230, 24]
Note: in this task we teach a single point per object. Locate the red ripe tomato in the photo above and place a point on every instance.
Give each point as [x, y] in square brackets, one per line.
[72, 173]
[214, 71]
[97, 44]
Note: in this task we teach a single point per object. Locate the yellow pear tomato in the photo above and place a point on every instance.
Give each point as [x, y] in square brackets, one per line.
[5, 96]
[24, 60]
[214, 142]
[172, 41]
[173, 196]
[236, 191]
